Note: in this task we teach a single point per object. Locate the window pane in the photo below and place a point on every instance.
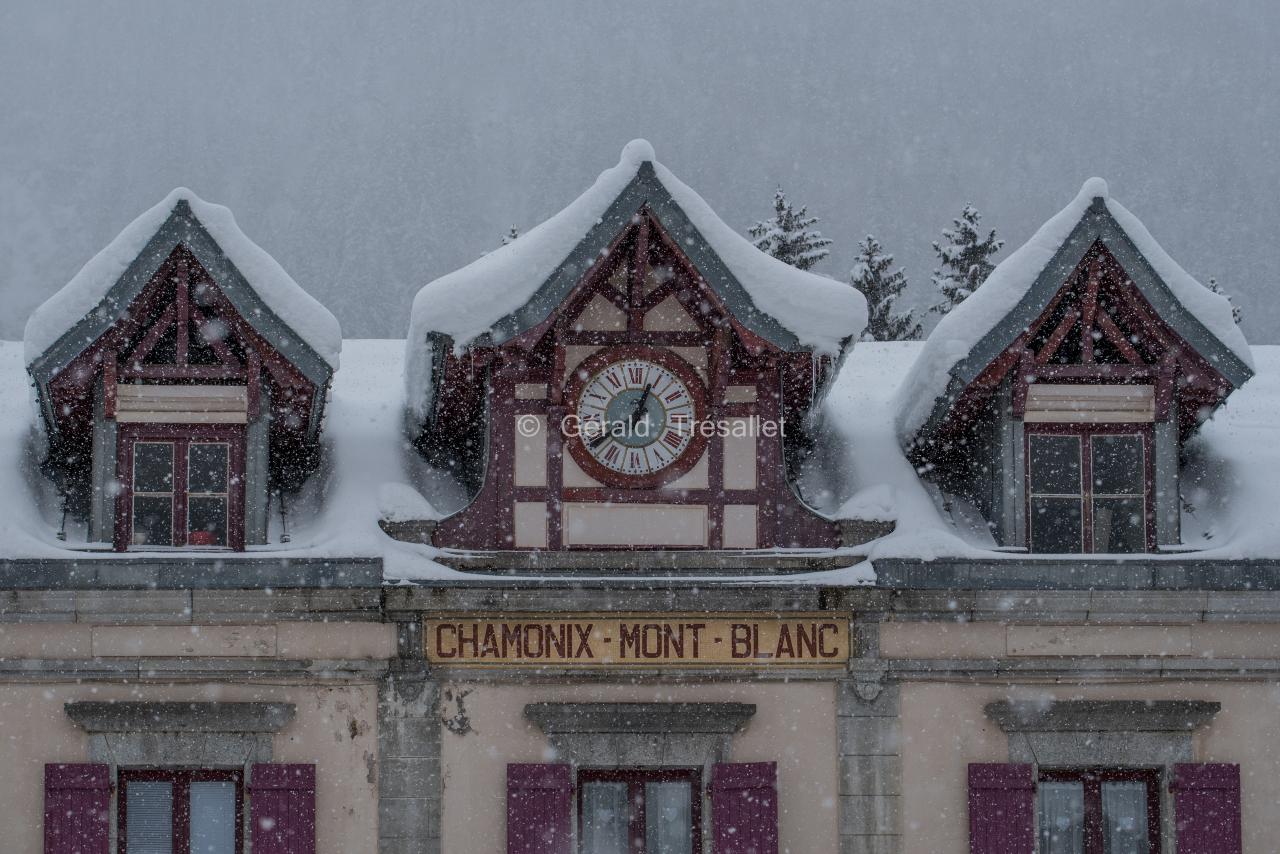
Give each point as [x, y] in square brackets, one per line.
[606, 818]
[213, 818]
[1061, 818]
[668, 818]
[206, 521]
[152, 467]
[1119, 525]
[1055, 465]
[152, 521]
[207, 467]
[1117, 465]
[1124, 818]
[149, 817]
[1056, 525]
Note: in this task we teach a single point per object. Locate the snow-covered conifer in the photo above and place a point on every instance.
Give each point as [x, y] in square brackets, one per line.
[965, 257]
[881, 283]
[1217, 289]
[789, 236]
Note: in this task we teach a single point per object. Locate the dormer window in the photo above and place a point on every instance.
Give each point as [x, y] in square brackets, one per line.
[1086, 370]
[189, 395]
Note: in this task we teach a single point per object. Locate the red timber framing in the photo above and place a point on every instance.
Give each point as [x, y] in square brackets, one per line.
[182, 330]
[180, 438]
[1098, 329]
[181, 781]
[641, 269]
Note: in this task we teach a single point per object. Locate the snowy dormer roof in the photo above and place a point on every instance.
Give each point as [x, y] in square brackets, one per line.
[978, 330]
[518, 285]
[264, 294]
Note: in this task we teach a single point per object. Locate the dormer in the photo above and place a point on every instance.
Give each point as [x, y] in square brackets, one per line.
[1057, 398]
[181, 379]
[631, 374]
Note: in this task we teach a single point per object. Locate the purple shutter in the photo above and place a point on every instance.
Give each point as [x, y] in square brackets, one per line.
[77, 803]
[1002, 800]
[1206, 808]
[539, 805]
[744, 808]
[282, 809]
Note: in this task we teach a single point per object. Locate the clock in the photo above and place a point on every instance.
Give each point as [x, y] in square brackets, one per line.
[638, 413]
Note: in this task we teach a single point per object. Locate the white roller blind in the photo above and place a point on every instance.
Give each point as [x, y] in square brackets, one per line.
[149, 806]
[213, 818]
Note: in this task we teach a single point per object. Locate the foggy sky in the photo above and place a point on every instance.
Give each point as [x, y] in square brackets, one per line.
[372, 146]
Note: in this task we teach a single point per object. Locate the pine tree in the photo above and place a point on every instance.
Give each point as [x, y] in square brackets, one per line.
[510, 235]
[965, 258]
[788, 236]
[1236, 314]
[881, 284]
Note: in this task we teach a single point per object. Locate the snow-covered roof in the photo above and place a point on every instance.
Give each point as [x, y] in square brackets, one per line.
[255, 283]
[518, 285]
[968, 338]
[1231, 483]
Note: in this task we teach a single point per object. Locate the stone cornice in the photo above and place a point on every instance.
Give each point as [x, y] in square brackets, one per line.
[1102, 715]
[97, 717]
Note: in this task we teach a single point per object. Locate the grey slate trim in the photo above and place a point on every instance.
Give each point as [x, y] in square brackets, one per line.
[180, 717]
[644, 189]
[257, 474]
[1168, 497]
[223, 572]
[1082, 574]
[102, 502]
[723, 718]
[1097, 223]
[1102, 715]
[182, 227]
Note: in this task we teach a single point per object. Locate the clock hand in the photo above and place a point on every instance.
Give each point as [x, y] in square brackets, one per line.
[639, 410]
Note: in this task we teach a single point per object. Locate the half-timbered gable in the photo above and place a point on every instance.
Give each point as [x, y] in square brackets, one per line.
[1072, 378]
[176, 388]
[653, 389]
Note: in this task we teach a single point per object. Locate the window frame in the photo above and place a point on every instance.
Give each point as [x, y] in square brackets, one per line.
[1085, 434]
[636, 778]
[1092, 780]
[181, 778]
[181, 437]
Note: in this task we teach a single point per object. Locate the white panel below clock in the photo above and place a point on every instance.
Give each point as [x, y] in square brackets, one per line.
[573, 475]
[635, 524]
[530, 524]
[697, 477]
[739, 530]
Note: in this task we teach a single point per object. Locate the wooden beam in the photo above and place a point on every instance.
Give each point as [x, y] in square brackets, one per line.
[1113, 334]
[1059, 335]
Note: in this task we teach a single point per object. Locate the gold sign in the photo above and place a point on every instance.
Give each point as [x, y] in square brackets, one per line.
[637, 640]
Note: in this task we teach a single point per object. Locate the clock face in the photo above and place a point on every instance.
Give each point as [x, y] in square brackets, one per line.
[638, 414]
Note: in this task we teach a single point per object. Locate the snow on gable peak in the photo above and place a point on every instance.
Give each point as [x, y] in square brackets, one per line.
[517, 285]
[78, 309]
[965, 341]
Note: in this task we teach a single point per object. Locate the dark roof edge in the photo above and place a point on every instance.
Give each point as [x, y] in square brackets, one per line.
[644, 188]
[1032, 573]
[1097, 222]
[223, 572]
[182, 226]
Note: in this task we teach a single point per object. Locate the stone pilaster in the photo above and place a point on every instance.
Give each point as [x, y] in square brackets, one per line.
[870, 742]
[409, 786]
